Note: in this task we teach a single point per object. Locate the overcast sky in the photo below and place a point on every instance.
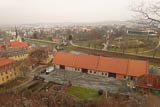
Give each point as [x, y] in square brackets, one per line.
[46, 11]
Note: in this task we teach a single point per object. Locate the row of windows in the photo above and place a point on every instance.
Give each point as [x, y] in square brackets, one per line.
[7, 72]
[20, 56]
[9, 66]
[77, 69]
[3, 79]
[95, 73]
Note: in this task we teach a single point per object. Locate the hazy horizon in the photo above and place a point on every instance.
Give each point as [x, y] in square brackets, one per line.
[63, 11]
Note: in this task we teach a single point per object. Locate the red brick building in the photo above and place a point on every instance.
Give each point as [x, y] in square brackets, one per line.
[16, 44]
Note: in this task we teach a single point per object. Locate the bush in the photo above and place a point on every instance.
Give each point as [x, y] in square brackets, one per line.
[100, 92]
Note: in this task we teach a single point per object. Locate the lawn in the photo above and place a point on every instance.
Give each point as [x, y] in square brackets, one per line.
[83, 93]
[87, 44]
[40, 42]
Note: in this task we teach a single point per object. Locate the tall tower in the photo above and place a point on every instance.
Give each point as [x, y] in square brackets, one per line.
[17, 37]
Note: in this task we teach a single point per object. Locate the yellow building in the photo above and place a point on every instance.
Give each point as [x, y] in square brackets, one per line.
[15, 54]
[8, 70]
[19, 57]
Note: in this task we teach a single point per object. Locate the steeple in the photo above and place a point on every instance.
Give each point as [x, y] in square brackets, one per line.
[16, 31]
[17, 37]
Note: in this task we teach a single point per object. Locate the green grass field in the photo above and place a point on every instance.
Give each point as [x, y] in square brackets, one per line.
[40, 42]
[83, 93]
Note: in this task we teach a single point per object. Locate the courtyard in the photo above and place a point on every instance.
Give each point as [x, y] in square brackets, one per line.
[88, 81]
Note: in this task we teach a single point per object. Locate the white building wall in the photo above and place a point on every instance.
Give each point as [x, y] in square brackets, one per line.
[57, 66]
[93, 72]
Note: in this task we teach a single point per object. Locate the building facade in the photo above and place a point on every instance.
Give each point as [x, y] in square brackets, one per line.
[102, 66]
[16, 54]
[8, 70]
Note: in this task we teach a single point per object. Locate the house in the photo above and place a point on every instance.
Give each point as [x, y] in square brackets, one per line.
[17, 44]
[15, 53]
[1, 47]
[149, 81]
[8, 70]
[57, 40]
[103, 66]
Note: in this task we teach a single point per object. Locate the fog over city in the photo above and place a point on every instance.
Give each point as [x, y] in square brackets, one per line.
[51, 11]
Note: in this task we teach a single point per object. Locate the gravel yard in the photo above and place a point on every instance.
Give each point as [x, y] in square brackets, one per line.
[87, 81]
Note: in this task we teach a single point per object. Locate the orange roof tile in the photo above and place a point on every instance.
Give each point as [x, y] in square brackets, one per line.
[5, 61]
[64, 59]
[88, 62]
[115, 65]
[137, 68]
[105, 64]
[16, 44]
[1, 45]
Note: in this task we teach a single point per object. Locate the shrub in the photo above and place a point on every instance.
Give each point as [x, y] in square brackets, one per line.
[100, 92]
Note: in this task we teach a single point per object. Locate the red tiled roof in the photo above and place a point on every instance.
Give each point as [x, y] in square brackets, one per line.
[115, 65]
[137, 68]
[84, 61]
[149, 81]
[105, 64]
[64, 59]
[5, 61]
[1, 45]
[16, 44]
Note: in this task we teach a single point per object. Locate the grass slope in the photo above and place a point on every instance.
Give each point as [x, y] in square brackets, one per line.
[83, 93]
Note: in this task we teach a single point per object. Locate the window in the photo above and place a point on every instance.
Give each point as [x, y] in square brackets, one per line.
[90, 71]
[2, 79]
[94, 72]
[102, 73]
[5, 67]
[6, 72]
[7, 77]
[10, 71]
[1, 73]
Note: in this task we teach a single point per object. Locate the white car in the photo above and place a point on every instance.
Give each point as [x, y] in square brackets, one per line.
[49, 69]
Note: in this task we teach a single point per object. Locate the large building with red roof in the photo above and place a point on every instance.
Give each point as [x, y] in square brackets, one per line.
[103, 66]
[8, 70]
[17, 44]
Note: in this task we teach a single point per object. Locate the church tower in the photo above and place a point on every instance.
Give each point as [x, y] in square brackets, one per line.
[17, 37]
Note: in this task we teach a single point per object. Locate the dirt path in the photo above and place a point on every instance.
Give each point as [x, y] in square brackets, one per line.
[151, 49]
[74, 45]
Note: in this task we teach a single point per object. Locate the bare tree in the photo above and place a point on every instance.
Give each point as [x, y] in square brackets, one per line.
[148, 12]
